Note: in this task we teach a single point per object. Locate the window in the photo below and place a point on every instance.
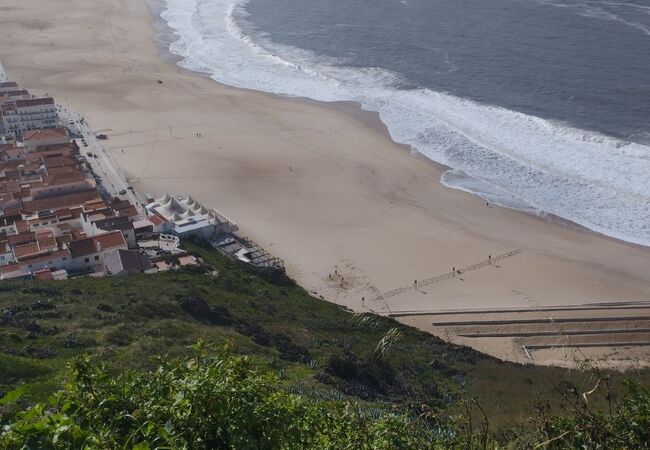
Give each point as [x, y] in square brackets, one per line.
[96, 258]
[65, 258]
[87, 260]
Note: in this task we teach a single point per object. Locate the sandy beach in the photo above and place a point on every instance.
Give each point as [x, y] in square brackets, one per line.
[321, 186]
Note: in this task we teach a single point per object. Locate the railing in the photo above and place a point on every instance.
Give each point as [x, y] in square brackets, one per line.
[260, 257]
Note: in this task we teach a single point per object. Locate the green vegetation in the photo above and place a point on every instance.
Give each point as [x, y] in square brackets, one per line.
[217, 400]
[333, 379]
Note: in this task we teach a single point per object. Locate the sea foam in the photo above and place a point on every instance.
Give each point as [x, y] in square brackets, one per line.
[516, 160]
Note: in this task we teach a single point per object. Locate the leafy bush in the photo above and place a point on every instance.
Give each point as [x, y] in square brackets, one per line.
[201, 401]
[215, 399]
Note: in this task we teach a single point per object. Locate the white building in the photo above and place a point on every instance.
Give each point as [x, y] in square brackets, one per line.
[189, 217]
[6, 254]
[18, 116]
[94, 224]
[89, 253]
[56, 260]
[8, 86]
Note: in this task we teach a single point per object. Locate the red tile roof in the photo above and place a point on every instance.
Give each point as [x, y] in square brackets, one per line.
[16, 93]
[93, 205]
[68, 148]
[62, 201]
[21, 226]
[9, 187]
[44, 274]
[35, 102]
[69, 176]
[77, 234]
[45, 134]
[26, 250]
[95, 244]
[157, 220]
[46, 240]
[44, 258]
[59, 162]
[10, 267]
[21, 238]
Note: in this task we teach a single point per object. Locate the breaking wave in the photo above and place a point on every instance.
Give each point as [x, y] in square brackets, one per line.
[513, 159]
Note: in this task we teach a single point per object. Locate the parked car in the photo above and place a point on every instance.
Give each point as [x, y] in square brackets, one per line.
[122, 192]
[102, 136]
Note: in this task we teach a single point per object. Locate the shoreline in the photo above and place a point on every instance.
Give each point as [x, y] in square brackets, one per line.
[165, 36]
[314, 184]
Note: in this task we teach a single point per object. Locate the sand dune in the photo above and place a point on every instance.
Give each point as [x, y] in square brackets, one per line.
[321, 186]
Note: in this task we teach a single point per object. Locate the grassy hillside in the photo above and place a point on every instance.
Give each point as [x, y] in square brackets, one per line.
[314, 347]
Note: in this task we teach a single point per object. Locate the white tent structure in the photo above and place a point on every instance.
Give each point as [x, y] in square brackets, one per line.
[189, 217]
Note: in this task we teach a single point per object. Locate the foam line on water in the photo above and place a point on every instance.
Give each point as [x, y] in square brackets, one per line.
[591, 179]
[457, 179]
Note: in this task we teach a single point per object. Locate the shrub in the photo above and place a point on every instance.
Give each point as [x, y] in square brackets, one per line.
[202, 401]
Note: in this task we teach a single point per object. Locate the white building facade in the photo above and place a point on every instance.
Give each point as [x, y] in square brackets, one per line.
[19, 116]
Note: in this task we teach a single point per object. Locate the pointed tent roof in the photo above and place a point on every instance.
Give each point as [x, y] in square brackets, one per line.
[189, 201]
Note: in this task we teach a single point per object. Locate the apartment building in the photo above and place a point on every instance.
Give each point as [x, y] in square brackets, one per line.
[18, 116]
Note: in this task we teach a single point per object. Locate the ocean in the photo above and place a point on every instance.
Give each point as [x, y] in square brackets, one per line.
[538, 105]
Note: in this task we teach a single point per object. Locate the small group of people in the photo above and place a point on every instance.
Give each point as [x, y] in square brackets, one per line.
[336, 273]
